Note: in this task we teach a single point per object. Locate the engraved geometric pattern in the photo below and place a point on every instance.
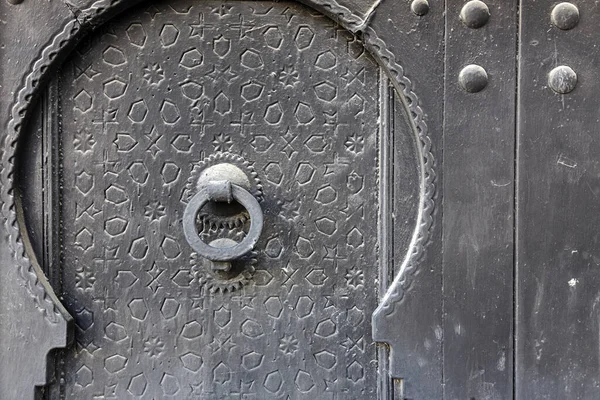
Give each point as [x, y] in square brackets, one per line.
[156, 92]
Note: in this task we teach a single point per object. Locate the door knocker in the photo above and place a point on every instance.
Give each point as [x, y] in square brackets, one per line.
[224, 194]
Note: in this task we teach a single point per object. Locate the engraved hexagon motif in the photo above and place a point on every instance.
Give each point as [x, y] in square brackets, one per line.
[325, 91]
[138, 111]
[115, 195]
[138, 309]
[191, 59]
[170, 172]
[325, 359]
[84, 182]
[115, 331]
[355, 316]
[136, 34]
[170, 248]
[304, 382]
[125, 142]
[355, 371]
[251, 59]
[137, 385]
[114, 56]
[168, 35]
[273, 306]
[252, 360]
[326, 225]
[115, 88]
[261, 143]
[221, 46]
[316, 143]
[139, 248]
[222, 317]
[326, 60]
[222, 103]
[138, 172]
[273, 248]
[169, 112]
[273, 37]
[84, 319]
[182, 278]
[84, 376]
[304, 113]
[182, 143]
[252, 329]
[115, 363]
[126, 279]
[169, 384]
[326, 195]
[304, 37]
[191, 361]
[316, 277]
[83, 101]
[221, 373]
[355, 238]
[356, 103]
[191, 330]
[273, 173]
[115, 226]
[84, 239]
[304, 306]
[170, 308]
[192, 90]
[304, 247]
[273, 381]
[325, 328]
[274, 113]
[252, 90]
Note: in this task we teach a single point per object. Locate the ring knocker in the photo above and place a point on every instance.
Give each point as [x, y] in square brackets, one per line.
[222, 191]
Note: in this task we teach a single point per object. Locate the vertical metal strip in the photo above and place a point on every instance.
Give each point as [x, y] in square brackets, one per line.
[385, 238]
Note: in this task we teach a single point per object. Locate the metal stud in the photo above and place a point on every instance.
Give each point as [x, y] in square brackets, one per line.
[420, 7]
[475, 14]
[565, 16]
[562, 79]
[473, 78]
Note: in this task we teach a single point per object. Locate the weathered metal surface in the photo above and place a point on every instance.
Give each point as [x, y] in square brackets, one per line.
[557, 242]
[479, 134]
[384, 164]
[302, 100]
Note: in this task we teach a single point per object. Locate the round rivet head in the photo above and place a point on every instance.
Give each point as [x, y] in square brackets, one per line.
[420, 7]
[475, 14]
[565, 16]
[562, 79]
[473, 78]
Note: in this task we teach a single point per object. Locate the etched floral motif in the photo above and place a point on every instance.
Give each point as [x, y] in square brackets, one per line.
[355, 277]
[154, 346]
[288, 76]
[154, 211]
[154, 74]
[355, 143]
[288, 344]
[84, 141]
[84, 278]
[222, 142]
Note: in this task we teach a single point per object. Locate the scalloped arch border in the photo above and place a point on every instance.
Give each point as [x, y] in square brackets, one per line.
[34, 279]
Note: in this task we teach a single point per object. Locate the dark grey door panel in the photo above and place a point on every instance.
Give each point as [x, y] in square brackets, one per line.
[327, 130]
[424, 172]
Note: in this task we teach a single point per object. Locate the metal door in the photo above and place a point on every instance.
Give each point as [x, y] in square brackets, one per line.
[415, 189]
[173, 105]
